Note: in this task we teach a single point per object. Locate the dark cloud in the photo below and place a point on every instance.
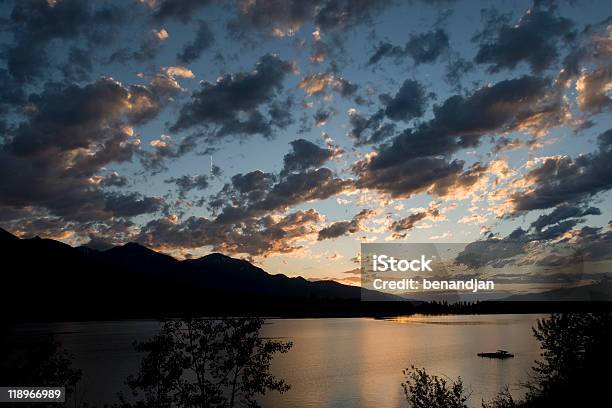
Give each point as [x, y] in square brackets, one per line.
[427, 47]
[255, 237]
[187, 183]
[321, 116]
[37, 23]
[231, 104]
[192, 51]
[406, 224]
[423, 48]
[533, 40]
[563, 212]
[320, 52]
[69, 117]
[12, 94]
[182, 10]
[386, 49]
[257, 193]
[406, 177]
[79, 65]
[411, 162]
[271, 17]
[561, 179]
[69, 134]
[129, 205]
[341, 228]
[114, 180]
[460, 121]
[494, 252]
[305, 155]
[146, 51]
[369, 130]
[521, 248]
[265, 194]
[408, 103]
[280, 113]
[456, 68]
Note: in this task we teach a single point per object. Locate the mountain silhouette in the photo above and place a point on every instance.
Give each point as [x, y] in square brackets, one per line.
[48, 275]
[594, 292]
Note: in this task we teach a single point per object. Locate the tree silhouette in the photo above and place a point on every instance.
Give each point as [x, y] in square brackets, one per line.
[572, 372]
[575, 356]
[424, 390]
[36, 361]
[206, 363]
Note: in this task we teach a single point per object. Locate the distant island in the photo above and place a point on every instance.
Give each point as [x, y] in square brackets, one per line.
[47, 279]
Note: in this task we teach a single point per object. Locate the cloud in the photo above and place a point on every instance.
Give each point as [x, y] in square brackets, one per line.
[561, 179]
[533, 40]
[315, 84]
[187, 183]
[181, 10]
[407, 177]
[114, 180]
[406, 224]
[563, 212]
[369, 130]
[386, 50]
[558, 248]
[36, 24]
[427, 47]
[231, 104]
[146, 51]
[203, 40]
[340, 228]
[494, 252]
[306, 155]
[12, 93]
[423, 48]
[281, 19]
[528, 104]
[408, 103]
[321, 116]
[456, 68]
[178, 71]
[415, 160]
[69, 135]
[69, 117]
[594, 89]
[256, 193]
[265, 236]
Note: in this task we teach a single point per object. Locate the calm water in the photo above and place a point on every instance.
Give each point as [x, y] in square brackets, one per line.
[333, 362]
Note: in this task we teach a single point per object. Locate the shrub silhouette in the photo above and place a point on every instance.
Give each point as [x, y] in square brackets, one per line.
[424, 390]
[206, 363]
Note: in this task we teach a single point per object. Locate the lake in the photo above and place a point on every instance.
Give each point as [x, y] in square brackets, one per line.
[352, 362]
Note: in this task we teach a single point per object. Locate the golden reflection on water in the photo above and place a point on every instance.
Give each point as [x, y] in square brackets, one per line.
[359, 362]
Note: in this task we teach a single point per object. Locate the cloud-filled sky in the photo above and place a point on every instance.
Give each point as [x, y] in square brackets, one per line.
[288, 132]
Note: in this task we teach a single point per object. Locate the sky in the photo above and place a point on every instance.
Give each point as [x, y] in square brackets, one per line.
[290, 132]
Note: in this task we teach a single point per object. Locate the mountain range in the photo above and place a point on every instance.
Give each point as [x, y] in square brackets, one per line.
[48, 274]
